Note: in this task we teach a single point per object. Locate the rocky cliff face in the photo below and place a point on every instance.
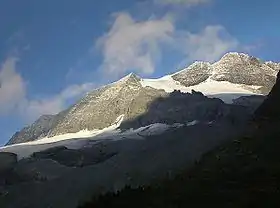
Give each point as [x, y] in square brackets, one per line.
[142, 105]
[194, 74]
[236, 68]
[39, 128]
[183, 108]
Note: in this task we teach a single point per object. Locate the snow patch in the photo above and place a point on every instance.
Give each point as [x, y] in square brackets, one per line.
[224, 90]
[84, 138]
[155, 129]
[192, 123]
[70, 140]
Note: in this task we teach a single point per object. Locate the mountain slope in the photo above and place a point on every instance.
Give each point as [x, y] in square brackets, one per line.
[245, 173]
[242, 173]
[40, 128]
[97, 110]
[235, 75]
[100, 109]
[109, 162]
[179, 109]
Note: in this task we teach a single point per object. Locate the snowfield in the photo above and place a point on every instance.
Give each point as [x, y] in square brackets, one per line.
[70, 140]
[226, 91]
[85, 138]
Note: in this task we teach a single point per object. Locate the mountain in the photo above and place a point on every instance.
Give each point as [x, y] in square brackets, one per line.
[233, 76]
[136, 131]
[244, 172]
[64, 171]
[166, 111]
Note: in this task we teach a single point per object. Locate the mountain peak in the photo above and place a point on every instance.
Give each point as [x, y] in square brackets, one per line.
[130, 77]
[234, 55]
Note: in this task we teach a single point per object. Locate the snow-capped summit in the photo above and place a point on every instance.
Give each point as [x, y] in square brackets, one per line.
[236, 69]
[235, 74]
[246, 70]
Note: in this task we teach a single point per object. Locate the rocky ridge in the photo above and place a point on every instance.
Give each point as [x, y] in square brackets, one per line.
[100, 108]
[237, 68]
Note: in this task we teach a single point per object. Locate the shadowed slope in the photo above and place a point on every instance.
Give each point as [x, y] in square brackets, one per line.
[61, 177]
[243, 173]
[270, 109]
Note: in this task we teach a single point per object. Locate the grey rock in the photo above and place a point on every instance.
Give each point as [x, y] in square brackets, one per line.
[252, 102]
[180, 108]
[7, 161]
[273, 65]
[100, 109]
[38, 129]
[75, 158]
[241, 68]
[194, 74]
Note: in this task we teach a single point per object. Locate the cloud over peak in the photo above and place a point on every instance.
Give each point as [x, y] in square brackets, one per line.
[133, 45]
[209, 44]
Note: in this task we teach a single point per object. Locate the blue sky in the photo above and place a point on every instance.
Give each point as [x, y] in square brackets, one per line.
[52, 52]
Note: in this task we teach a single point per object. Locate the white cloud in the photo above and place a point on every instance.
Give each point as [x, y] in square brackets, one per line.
[12, 86]
[32, 109]
[13, 94]
[209, 44]
[187, 3]
[133, 46]
[73, 91]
